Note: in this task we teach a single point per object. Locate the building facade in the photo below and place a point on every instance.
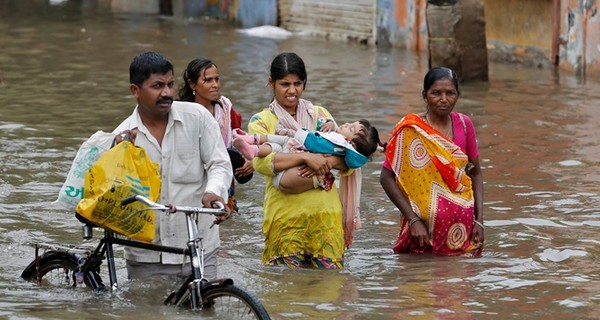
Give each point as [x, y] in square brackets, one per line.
[543, 33]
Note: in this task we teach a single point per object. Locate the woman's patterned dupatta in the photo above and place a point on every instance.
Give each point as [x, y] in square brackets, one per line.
[287, 125]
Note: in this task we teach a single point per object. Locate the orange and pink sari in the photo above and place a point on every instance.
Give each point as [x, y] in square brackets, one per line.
[430, 169]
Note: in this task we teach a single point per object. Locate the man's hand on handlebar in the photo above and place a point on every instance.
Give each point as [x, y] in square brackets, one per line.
[208, 202]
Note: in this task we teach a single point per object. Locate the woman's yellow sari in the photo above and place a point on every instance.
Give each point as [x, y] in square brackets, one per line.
[305, 229]
[430, 169]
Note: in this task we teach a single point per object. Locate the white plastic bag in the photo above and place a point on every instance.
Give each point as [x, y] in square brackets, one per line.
[89, 152]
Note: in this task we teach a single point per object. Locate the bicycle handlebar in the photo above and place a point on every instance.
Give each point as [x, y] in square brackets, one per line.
[129, 200]
[218, 211]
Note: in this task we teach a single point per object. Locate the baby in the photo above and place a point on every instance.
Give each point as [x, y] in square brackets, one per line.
[355, 142]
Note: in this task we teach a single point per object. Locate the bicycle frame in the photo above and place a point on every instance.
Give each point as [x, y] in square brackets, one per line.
[79, 265]
[105, 249]
[194, 250]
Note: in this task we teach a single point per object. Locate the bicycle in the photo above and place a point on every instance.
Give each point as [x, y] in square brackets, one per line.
[71, 266]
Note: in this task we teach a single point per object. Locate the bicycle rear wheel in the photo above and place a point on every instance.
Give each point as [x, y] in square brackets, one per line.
[228, 302]
[60, 270]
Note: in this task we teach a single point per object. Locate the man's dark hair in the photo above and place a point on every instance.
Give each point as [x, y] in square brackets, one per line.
[147, 63]
[367, 139]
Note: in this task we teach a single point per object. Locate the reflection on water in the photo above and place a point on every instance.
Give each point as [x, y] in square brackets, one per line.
[65, 76]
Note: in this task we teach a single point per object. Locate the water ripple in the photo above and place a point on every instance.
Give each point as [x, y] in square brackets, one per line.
[555, 255]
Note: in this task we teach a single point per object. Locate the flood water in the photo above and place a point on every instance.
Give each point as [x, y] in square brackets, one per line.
[65, 76]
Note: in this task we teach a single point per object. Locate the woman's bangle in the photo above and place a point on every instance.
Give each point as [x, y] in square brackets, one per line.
[413, 220]
[479, 224]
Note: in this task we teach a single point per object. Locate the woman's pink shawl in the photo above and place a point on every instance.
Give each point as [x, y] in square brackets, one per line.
[350, 189]
[350, 185]
[223, 117]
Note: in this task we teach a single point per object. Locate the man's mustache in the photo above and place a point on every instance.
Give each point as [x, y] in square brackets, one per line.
[169, 100]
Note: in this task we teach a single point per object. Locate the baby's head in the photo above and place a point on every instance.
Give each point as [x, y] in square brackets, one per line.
[363, 137]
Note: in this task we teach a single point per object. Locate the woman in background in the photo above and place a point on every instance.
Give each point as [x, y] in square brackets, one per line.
[202, 84]
[432, 174]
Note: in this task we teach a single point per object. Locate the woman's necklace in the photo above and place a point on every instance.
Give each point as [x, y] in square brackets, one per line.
[448, 131]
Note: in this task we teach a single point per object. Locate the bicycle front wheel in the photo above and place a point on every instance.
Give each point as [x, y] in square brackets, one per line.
[228, 302]
[231, 302]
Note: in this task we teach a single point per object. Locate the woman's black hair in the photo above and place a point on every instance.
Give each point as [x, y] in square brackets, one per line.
[191, 74]
[438, 73]
[288, 63]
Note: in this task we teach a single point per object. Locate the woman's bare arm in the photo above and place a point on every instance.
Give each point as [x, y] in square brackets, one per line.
[477, 179]
[319, 163]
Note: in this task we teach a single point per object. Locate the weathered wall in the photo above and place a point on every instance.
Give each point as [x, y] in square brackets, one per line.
[580, 37]
[140, 6]
[592, 36]
[341, 19]
[198, 8]
[522, 23]
[519, 31]
[456, 32]
[401, 23]
[246, 13]
[252, 13]
[513, 27]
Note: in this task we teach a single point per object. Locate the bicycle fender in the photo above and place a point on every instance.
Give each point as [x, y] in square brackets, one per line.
[175, 296]
[91, 276]
[30, 271]
[218, 283]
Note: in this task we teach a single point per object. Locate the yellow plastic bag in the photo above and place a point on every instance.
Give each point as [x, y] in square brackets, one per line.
[121, 172]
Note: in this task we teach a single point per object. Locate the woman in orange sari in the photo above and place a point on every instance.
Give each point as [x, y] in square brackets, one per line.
[432, 174]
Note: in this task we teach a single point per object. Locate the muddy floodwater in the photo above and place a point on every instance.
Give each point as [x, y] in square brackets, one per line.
[65, 75]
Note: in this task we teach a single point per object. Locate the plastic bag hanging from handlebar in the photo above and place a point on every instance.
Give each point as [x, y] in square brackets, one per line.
[89, 152]
[123, 171]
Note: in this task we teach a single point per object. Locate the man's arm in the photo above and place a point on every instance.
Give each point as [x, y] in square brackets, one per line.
[215, 158]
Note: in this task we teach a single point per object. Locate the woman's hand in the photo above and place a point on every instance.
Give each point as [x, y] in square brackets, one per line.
[245, 170]
[328, 126]
[477, 234]
[305, 171]
[420, 236]
[316, 162]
